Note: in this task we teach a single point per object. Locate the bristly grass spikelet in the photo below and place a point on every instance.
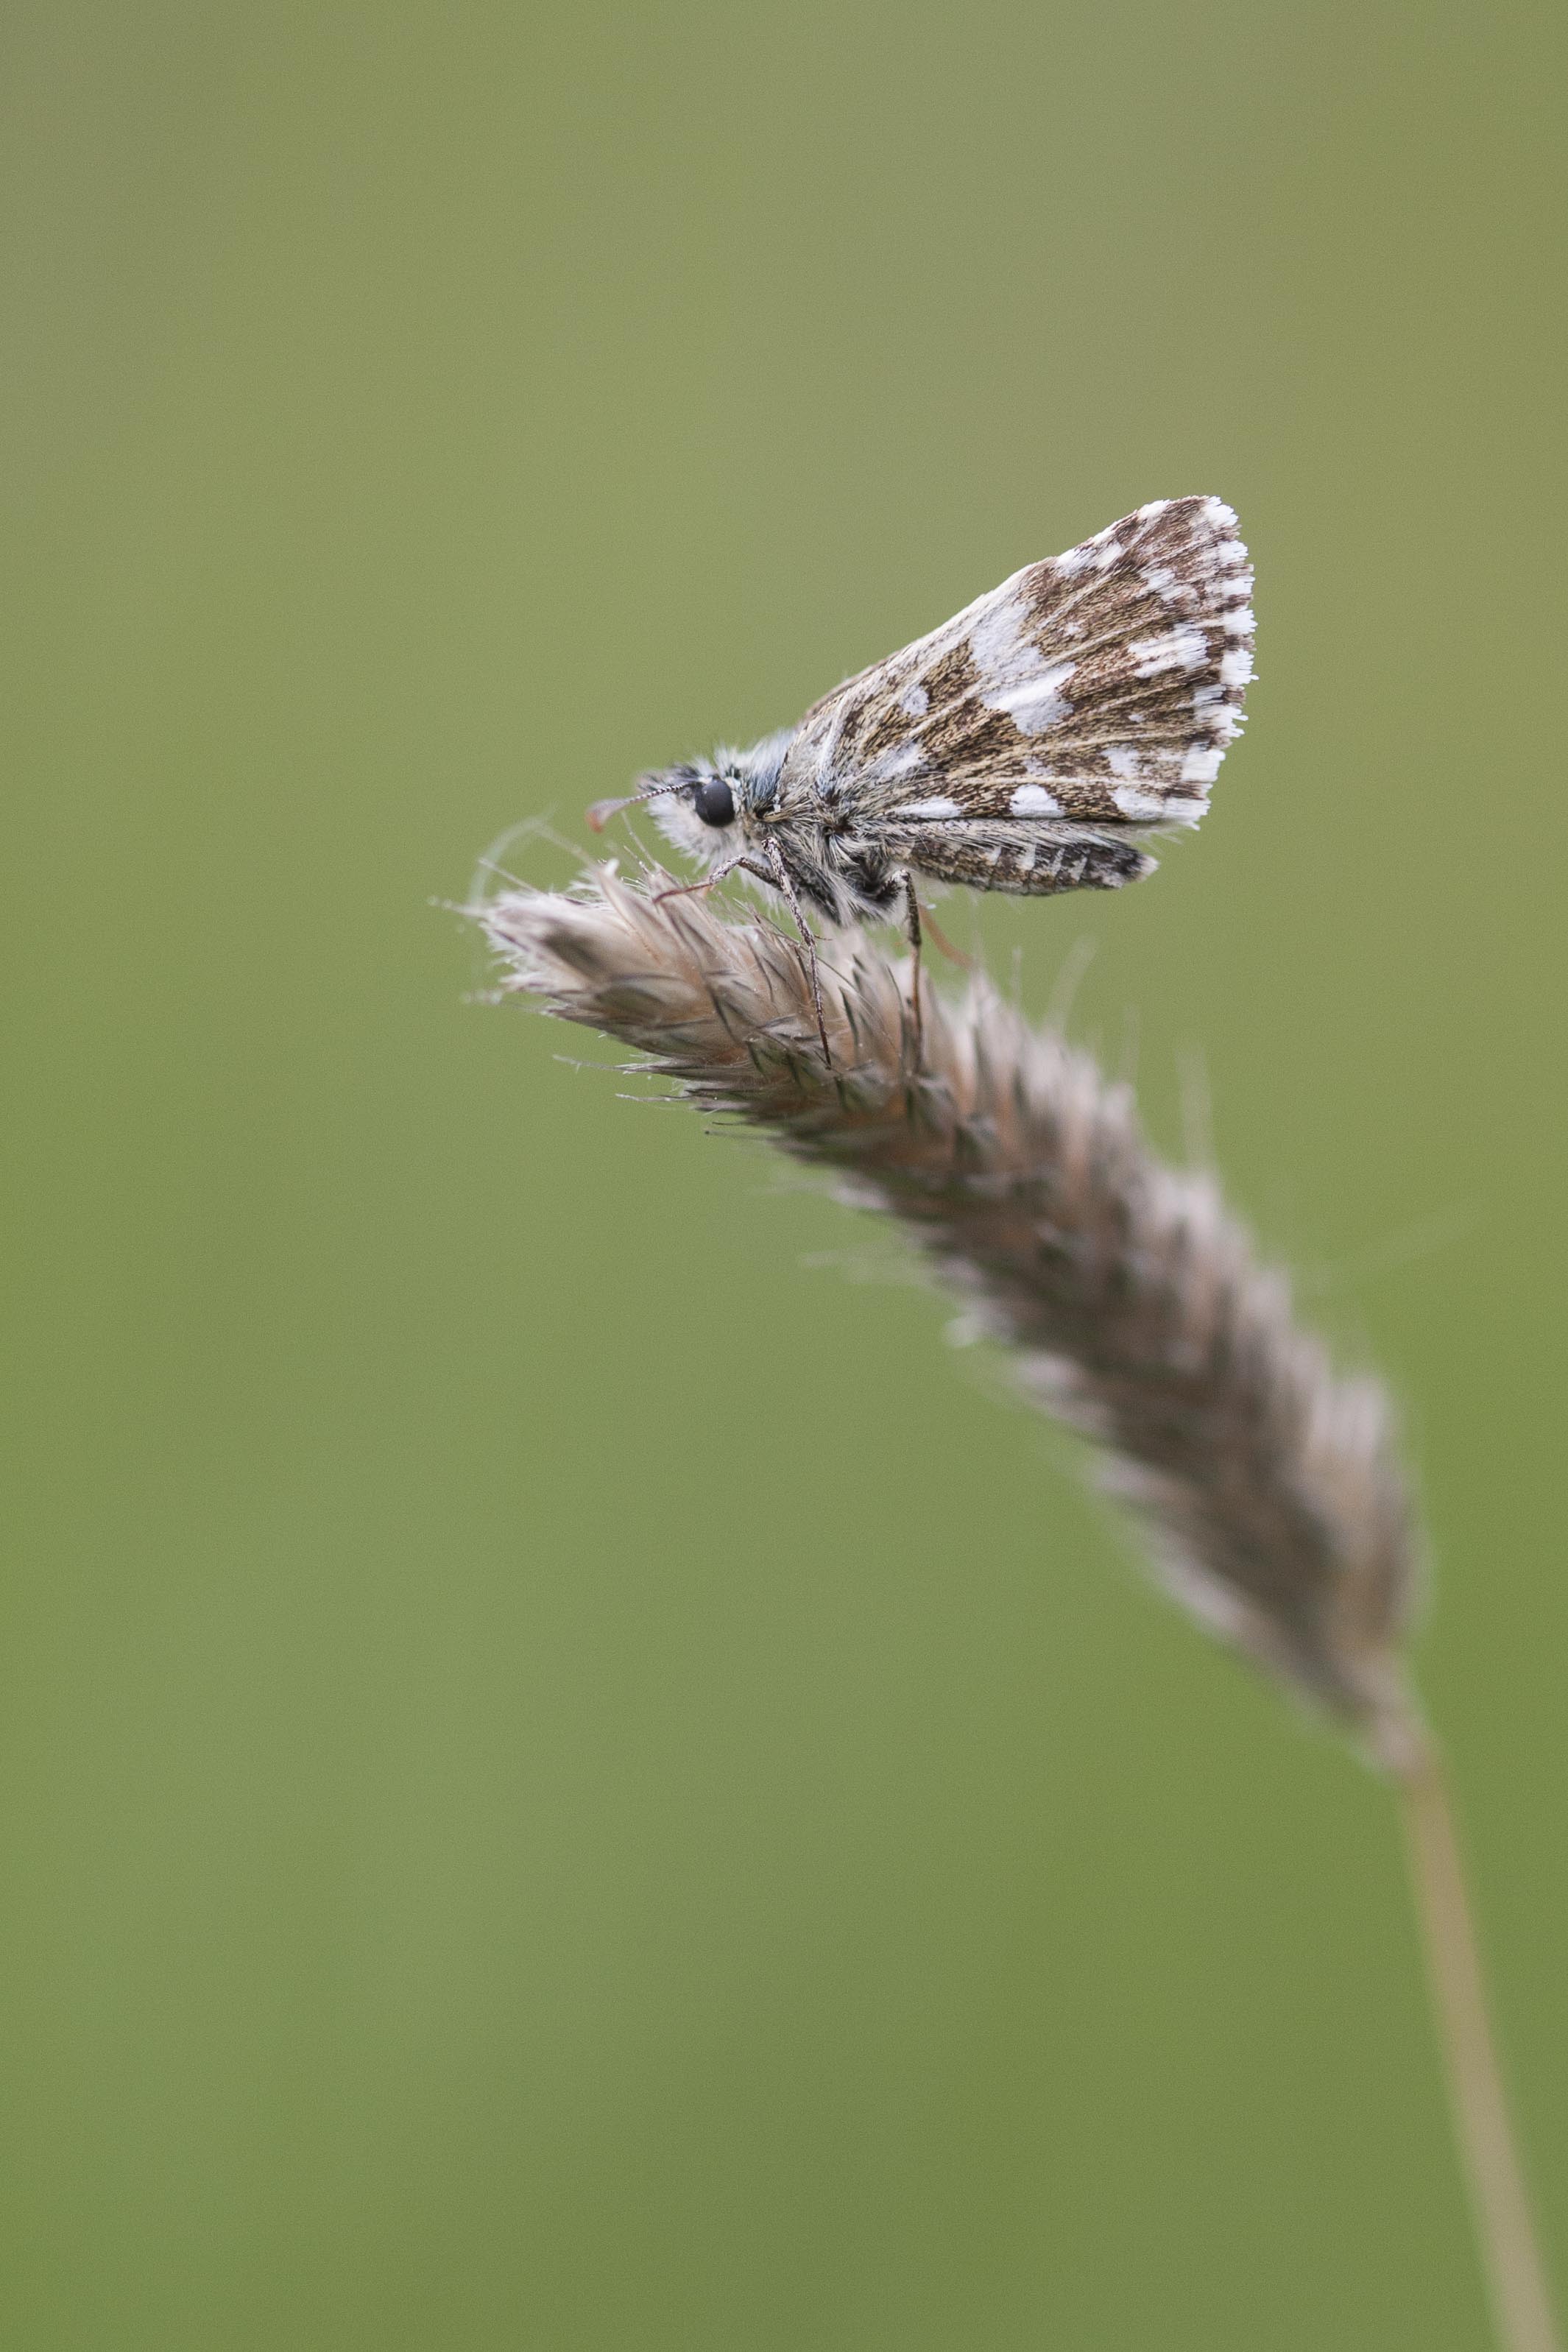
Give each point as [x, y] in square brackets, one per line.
[1130, 1298]
[1131, 1305]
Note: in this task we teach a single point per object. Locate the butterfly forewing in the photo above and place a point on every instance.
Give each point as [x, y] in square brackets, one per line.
[1101, 688]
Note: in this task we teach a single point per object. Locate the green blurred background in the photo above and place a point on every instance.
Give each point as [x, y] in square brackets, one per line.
[572, 1777]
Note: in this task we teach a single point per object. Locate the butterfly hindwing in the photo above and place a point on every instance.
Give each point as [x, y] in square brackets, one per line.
[1026, 859]
[1101, 686]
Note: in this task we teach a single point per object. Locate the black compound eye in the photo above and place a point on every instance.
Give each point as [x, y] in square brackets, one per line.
[714, 802]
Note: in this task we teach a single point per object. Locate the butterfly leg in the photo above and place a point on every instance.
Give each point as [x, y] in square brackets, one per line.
[696, 889]
[778, 874]
[912, 929]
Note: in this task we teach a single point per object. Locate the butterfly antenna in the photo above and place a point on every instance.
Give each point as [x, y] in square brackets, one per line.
[601, 812]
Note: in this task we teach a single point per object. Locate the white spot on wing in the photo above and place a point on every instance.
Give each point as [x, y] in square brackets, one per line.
[1137, 803]
[997, 643]
[914, 700]
[1218, 516]
[1035, 704]
[1241, 623]
[1019, 679]
[1033, 800]
[940, 806]
[1134, 803]
[1122, 759]
[1201, 765]
[1155, 507]
[1184, 648]
[1236, 667]
[893, 764]
[1076, 559]
[1210, 709]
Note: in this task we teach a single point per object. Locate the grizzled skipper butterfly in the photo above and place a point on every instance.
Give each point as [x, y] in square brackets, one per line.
[1020, 747]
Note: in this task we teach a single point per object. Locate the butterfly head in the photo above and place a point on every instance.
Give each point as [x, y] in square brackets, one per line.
[710, 809]
[697, 805]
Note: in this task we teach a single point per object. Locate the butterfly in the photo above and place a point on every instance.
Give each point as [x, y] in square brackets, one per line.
[1022, 746]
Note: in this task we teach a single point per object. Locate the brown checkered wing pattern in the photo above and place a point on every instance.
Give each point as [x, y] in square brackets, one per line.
[1101, 688]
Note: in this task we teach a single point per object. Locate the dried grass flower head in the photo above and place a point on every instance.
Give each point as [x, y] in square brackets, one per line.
[1131, 1304]
[1129, 1300]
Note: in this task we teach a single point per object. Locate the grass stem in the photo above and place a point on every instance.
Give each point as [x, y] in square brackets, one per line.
[1516, 2274]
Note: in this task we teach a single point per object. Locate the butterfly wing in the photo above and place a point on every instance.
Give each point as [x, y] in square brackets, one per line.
[1028, 857]
[1099, 688]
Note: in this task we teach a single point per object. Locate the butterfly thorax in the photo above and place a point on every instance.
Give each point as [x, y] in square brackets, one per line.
[740, 808]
